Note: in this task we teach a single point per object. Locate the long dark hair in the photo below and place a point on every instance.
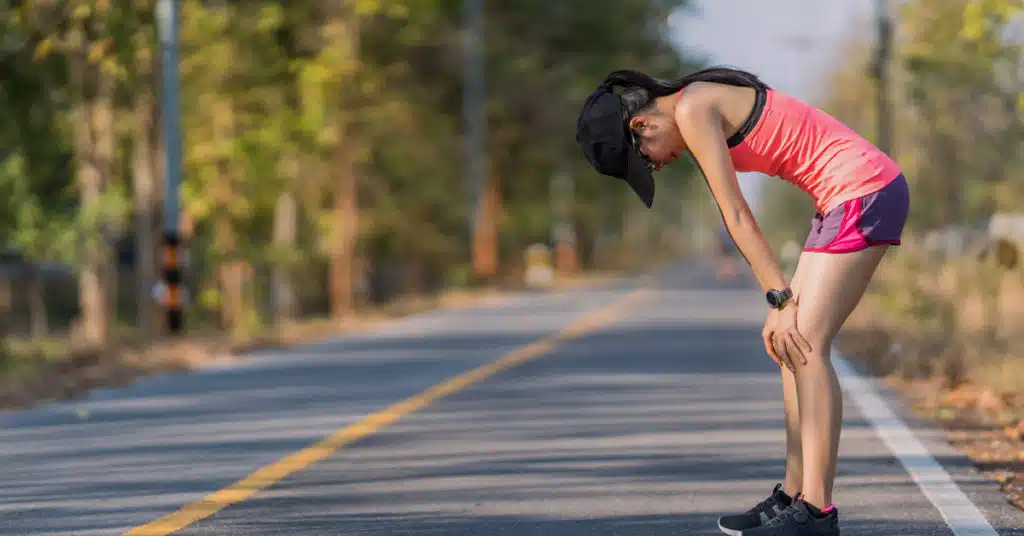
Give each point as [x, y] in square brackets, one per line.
[641, 89]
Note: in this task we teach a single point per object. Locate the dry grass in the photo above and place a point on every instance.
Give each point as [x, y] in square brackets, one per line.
[962, 320]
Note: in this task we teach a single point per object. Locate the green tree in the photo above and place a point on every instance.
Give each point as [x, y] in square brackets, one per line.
[322, 144]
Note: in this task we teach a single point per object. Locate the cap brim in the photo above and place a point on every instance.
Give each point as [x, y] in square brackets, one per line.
[639, 177]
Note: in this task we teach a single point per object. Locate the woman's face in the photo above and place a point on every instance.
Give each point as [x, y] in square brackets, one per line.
[658, 137]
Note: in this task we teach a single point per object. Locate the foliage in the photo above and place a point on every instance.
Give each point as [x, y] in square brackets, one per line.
[283, 102]
[957, 111]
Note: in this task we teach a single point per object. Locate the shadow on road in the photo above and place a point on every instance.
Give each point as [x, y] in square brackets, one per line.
[652, 426]
[511, 525]
[619, 433]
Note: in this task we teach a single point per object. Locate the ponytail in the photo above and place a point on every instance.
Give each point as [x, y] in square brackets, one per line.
[642, 89]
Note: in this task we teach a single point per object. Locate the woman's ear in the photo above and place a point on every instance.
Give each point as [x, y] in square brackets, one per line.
[637, 123]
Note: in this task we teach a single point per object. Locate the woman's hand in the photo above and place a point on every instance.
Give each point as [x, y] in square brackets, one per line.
[783, 340]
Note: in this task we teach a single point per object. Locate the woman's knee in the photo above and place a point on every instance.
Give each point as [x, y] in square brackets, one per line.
[816, 330]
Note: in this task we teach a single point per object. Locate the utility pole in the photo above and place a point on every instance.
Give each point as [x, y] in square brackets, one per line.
[880, 72]
[173, 291]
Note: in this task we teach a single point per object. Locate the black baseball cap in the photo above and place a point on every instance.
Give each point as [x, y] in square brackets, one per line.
[608, 143]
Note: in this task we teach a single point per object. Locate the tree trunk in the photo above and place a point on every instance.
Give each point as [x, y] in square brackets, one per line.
[485, 243]
[37, 303]
[144, 188]
[111, 230]
[229, 274]
[345, 217]
[231, 270]
[342, 270]
[563, 232]
[6, 306]
[285, 231]
[92, 294]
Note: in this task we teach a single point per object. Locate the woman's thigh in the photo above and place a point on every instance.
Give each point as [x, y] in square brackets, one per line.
[829, 286]
[841, 253]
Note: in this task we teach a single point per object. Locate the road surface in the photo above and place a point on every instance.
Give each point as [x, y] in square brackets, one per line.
[652, 417]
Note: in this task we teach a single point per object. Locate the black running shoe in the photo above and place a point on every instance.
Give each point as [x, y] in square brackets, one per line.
[797, 520]
[758, 515]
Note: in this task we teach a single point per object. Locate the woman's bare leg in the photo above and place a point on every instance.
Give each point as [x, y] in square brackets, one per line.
[794, 481]
[830, 287]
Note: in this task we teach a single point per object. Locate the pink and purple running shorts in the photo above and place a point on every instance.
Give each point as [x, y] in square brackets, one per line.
[876, 218]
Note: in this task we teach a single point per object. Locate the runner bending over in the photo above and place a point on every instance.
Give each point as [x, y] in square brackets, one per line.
[729, 120]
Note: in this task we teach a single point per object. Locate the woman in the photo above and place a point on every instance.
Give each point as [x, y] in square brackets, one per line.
[729, 120]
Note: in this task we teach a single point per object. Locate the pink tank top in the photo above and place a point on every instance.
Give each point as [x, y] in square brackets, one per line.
[814, 151]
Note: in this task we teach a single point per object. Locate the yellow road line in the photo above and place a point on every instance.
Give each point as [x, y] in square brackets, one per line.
[270, 474]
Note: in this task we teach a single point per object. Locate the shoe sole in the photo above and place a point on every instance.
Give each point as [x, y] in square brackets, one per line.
[729, 531]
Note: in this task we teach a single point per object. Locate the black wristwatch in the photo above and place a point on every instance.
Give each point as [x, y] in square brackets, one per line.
[778, 298]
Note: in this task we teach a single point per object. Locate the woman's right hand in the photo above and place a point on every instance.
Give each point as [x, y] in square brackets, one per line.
[782, 340]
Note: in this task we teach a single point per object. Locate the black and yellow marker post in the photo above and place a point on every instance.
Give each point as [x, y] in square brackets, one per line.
[173, 291]
[173, 296]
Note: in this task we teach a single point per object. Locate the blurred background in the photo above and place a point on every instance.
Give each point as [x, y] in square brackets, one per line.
[319, 161]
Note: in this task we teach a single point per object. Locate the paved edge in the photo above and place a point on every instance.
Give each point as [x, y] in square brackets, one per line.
[268, 475]
[962, 516]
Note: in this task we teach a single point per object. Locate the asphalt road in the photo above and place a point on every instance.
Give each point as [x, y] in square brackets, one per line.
[652, 423]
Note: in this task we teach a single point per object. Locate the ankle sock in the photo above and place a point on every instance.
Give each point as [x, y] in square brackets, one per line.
[818, 513]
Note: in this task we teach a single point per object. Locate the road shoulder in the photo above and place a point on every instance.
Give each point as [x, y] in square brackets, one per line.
[980, 488]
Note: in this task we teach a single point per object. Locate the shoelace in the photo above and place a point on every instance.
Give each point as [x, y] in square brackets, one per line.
[775, 524]
[763, 505]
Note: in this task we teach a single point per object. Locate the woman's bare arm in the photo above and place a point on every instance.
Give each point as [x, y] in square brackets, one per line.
[701, 126]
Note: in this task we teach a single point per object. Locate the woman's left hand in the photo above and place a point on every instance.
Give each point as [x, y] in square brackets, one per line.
[783, 340]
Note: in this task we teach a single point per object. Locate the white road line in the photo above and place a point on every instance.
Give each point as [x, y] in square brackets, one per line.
[959, 512]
